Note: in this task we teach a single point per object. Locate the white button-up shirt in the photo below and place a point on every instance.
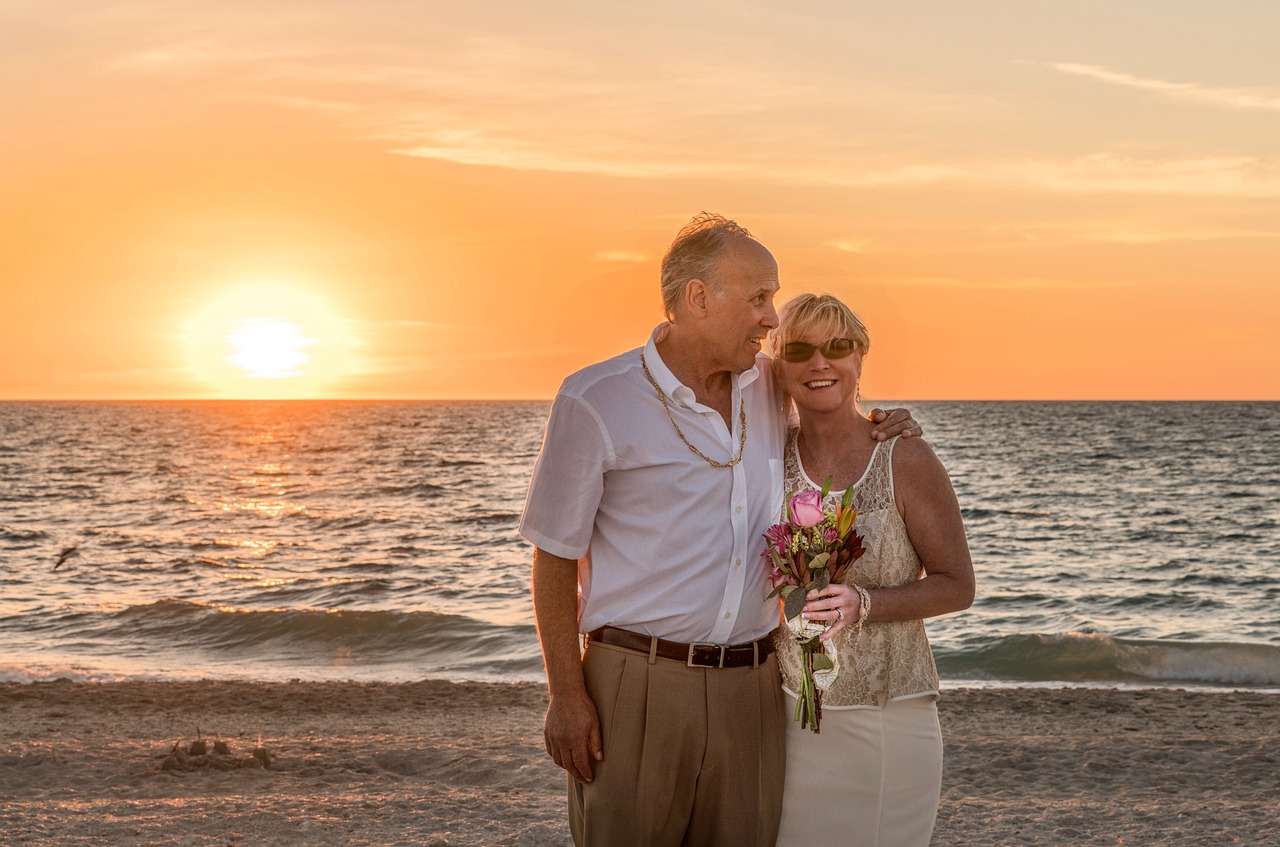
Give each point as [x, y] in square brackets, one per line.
[666, 544]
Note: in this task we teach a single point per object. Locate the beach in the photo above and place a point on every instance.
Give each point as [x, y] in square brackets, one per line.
[442, 763]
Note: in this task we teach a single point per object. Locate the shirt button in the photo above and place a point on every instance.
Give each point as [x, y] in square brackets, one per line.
[738, 509]
[727, 616]
[738, 562]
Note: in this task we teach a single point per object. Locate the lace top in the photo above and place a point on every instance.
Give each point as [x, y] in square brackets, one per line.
[890, 659]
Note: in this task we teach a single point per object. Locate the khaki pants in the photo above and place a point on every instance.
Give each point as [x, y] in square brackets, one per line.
[693, 757]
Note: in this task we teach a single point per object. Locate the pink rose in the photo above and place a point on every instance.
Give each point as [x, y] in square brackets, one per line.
[806, 508]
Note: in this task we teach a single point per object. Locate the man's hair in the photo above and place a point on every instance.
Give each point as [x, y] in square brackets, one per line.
[695, 254]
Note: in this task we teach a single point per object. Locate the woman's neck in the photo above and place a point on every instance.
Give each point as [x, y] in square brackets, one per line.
[835, 444]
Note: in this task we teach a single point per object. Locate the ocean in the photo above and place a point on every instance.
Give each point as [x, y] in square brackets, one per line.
[1115, 543]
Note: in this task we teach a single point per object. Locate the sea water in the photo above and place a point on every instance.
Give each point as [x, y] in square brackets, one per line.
[1114, 543]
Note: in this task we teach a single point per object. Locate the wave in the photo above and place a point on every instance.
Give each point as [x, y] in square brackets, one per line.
[17, 533]
[418, 489]
[1096, 657]
[48, 672]
[308, 638]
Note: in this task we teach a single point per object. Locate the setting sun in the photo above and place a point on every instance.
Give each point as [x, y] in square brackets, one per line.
[269, 340]
[269, 348]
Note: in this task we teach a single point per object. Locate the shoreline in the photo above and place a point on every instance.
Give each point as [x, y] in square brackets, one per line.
[450, 764]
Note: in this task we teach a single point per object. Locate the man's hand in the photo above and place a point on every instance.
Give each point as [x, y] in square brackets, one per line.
[572, 728]
[572, 732]
[893, 422]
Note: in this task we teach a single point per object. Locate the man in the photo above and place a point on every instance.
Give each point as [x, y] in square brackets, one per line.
[660, 470]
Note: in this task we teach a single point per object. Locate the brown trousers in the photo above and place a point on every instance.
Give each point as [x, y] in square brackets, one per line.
[693, 757]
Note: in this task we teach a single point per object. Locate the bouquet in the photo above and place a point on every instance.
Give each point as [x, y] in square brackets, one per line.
[809, 550]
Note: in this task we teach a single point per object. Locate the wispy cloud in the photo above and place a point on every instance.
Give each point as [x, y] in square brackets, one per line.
[848, 245]
[1096, 173]
[1011, 284]
[1229, 97]
[1124, 232]
[189, 55]
[513, 102]
[620, 256]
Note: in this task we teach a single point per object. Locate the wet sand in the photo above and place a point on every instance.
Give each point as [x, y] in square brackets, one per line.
[438, 763]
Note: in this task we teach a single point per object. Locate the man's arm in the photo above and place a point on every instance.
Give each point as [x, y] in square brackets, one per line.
[572, 727]
[893, 422]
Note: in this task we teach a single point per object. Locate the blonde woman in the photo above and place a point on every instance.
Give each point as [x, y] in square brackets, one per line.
[873, 776]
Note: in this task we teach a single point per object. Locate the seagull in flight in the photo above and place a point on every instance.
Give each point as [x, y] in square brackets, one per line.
[67, 553]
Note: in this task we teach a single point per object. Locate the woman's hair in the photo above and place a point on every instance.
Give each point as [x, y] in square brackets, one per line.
[820, 315]
[695, 254]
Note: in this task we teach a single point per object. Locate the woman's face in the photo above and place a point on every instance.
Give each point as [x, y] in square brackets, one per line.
[827, 379]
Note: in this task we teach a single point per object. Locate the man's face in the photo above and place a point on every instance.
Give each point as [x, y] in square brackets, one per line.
[740, 314]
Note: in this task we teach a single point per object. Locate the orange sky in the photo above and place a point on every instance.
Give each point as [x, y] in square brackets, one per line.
[1076, 200]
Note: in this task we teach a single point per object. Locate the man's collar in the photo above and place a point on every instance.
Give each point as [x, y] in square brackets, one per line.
[672, 387]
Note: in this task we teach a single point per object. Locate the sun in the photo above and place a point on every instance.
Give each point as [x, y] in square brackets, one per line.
[269, 340]
[269, 348]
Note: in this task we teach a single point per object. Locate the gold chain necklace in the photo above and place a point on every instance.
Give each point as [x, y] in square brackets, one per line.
[742, 416]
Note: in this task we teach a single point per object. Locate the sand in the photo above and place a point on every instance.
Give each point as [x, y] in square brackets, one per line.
[438, 763]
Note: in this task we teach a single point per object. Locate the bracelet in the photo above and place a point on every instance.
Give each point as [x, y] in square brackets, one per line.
[864, 607]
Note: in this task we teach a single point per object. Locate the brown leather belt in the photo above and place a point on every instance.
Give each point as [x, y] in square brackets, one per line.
[695, 655]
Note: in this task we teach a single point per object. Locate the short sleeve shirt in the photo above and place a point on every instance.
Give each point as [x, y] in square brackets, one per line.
[666, 544]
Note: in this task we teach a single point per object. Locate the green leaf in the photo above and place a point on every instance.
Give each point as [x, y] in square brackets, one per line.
[781, 563]
[793, 604]
[822, 662]
[775, 592]
[847, 500]
[819, 561]
[826, 487]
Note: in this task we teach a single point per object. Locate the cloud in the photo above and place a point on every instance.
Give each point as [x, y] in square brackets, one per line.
[848, 245]
[1095, 173]
[1123, 232]
[513, 102]
[189, 55]
[1229, 98]
[620, 256]
[1012, 284]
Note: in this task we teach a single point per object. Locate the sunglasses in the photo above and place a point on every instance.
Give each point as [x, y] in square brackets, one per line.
[832, 348]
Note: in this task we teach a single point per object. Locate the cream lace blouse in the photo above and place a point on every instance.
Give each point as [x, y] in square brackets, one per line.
[890, 660]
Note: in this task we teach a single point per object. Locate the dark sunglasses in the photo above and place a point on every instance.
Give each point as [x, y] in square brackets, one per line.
[832, 348]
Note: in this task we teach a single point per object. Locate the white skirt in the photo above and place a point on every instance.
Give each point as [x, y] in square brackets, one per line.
[871, 778]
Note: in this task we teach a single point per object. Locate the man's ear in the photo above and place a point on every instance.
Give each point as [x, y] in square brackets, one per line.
[696, 294]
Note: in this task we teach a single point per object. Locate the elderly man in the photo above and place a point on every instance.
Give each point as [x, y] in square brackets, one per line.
[660, 470]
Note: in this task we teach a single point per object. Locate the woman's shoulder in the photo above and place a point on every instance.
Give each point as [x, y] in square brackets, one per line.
[914, 458]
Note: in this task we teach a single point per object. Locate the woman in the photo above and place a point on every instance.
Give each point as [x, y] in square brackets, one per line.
[873, 776]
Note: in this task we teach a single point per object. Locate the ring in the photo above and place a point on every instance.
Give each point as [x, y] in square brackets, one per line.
[839, 614]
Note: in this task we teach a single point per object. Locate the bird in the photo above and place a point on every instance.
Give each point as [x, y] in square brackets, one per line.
[67, 553]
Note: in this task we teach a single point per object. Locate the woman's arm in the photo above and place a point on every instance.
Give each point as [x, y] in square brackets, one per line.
[928, 506]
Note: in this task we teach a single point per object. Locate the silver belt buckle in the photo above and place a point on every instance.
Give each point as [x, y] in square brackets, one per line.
[694, 646]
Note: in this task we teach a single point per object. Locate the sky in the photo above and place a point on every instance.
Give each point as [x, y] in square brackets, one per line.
[396, 199]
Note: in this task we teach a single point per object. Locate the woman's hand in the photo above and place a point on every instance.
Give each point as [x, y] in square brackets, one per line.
[837, 603]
